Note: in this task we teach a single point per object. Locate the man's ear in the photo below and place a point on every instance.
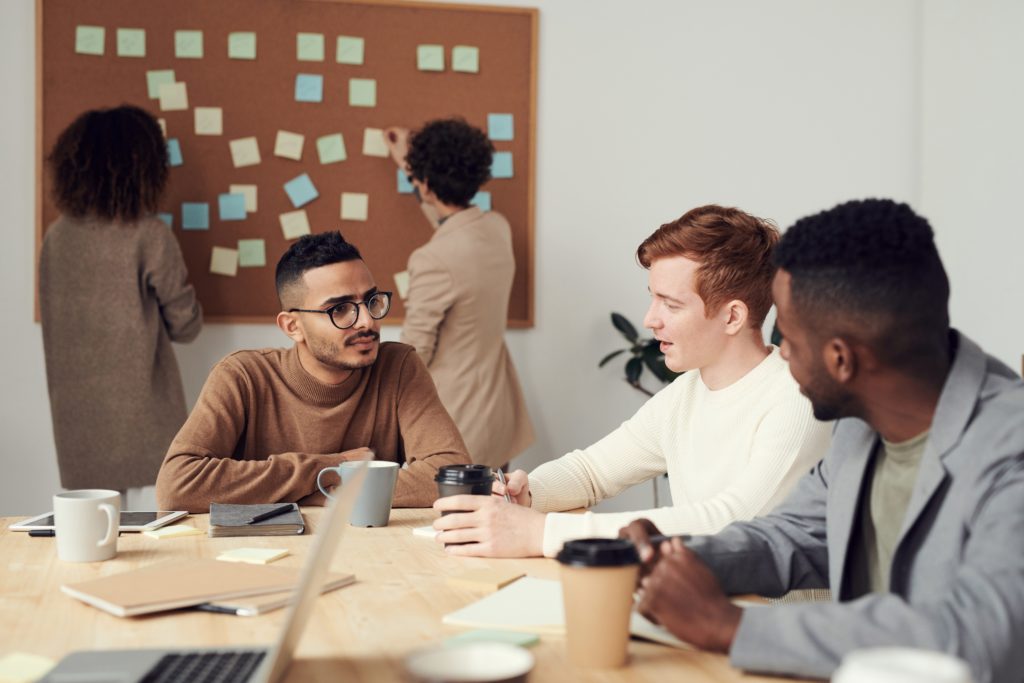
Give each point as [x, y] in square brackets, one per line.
[840, 360]
[735, 314]
[289, 324]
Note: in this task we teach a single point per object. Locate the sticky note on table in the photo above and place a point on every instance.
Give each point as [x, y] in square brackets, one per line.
[247, 191]
[309, 47]
[89, 40]
[499, 127]
[188, 44]
[331, 148]
[501, 166]
[167, 218]
[252, 253]
[430, 57]
[402, 285]
[244, 152]
[466, 58]
[485, 579]
[421, 531]
[155, 78]
[131, 42]
[350, 50]
[195, 216]
[481, 199]
[231, 207]
[362, 92]
[209, 120]
[301, 190]
[174, 152]
[294, 224]
[242, 45]
[309, 88]
[289, 145]
[374, 144]
[354, 206]
[22, 667]
[253, 555]
[404, 186]
[173, 531]
[224, 261]
[484, 635]
[173, 97]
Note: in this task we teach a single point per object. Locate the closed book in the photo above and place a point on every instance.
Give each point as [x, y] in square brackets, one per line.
[228, 519]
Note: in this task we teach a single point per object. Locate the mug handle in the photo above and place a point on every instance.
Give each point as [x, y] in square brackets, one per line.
[320, 474]
[113, 525]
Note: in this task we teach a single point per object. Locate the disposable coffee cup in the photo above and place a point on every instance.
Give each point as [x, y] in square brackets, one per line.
[455, 480]
[598, 579]
[373, 504]
[86, 523]
[901, 665]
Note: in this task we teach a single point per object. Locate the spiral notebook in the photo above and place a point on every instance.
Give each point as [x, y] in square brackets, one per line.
[227, 519]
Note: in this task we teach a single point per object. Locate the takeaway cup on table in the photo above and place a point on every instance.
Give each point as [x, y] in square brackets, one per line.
[86, 523]
[373, 505]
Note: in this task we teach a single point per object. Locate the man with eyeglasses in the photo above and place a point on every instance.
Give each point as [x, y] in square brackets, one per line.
[268, 420]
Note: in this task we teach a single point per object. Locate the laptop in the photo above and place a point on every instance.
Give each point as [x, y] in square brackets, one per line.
[209, 665]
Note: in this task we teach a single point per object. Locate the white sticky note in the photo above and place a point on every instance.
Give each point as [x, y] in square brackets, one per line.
[19, 667]
[131, 42]
[175, 530]
[247, 191]
[350, 50]
[402, 283]
[466, 58]
[89, 40]
[374, 144]
[224, 261]
[289, 145]
[173, 97]
[309, 47]
[209, 120]
[253, 555]
[355, 206]
[155, 78]
[163, 126]
[244, 152]
[294, 224]
[425, 531]
[188, 44]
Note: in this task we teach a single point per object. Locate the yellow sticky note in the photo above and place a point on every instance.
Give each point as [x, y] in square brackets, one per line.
[173, 531]
[21, 667]
[355, 206]
[309, 47]
[294, 224]
[173, 97]
[253, 555]
[244, 152]
[374, 144]
[466, 58]
[247, 191]
[209, 120]
[402, 283]
[224, 261]
[289, 145]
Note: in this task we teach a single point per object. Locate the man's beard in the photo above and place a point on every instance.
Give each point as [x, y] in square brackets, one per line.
[328, 353]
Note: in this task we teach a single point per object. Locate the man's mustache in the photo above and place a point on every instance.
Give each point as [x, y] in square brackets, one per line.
[362, 335]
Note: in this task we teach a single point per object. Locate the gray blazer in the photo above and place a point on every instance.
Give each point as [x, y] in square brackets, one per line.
[957, 581]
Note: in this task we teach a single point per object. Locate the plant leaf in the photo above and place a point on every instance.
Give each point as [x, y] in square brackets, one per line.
[604, 361]
[625, 327]
[776, 335]
[654, 359]
[633, 369]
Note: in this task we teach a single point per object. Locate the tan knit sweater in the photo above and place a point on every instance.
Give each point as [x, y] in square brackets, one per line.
[263, 428]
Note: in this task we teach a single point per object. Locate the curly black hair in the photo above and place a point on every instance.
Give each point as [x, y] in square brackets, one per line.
[309, 252]
[110, 164]
[869, 268]
[452, 157]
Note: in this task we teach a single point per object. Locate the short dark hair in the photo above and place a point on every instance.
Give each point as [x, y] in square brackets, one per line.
[111, 164]
[309, 252]
[452, 157]
[870, 269]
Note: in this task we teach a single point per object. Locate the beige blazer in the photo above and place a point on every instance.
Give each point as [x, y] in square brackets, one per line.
[456, 310]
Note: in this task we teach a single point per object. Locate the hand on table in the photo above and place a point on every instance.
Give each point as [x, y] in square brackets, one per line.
[518, 484]
[640, 532]
[489, 526]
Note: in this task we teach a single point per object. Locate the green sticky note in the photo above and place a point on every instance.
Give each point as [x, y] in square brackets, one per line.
[466, 59]
[482, 635]
[89, 40]
[309, 47]
[252, 253]
[430, 57]
[242, 45]
[331, 148]
[362, 92]
[131, 42]
[156, 78]
[188, 44]
[350, 50]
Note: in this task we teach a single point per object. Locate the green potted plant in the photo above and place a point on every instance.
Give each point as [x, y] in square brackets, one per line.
[644, 352]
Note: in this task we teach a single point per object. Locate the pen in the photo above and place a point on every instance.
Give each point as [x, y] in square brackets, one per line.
[504, 484]
[272, 513]
[37, 533]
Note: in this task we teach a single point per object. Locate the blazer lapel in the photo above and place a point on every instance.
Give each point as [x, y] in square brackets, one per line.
[845, 491]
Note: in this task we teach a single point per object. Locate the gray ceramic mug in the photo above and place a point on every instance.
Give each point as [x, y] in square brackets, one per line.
[373, 506]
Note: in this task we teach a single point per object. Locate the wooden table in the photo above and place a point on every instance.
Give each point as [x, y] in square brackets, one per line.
[358, 633]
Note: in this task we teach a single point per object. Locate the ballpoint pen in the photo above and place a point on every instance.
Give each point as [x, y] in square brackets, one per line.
[504, 484]
[272, 513]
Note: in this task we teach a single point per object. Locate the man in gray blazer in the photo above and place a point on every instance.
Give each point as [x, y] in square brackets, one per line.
[915, 518]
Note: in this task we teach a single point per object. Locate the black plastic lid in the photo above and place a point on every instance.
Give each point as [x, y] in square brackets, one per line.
[464, 474]
[598, 552]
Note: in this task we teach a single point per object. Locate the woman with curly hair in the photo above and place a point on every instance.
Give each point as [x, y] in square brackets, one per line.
[113, 295]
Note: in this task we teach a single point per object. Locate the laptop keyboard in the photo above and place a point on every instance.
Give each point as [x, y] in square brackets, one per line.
[205, 667]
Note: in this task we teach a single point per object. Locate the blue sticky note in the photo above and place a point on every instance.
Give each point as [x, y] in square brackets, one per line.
[481, 199]
[404, 186]
[309, 88]
[499, 127]
[167, 218]
[300, 190]
[232, 207]
[174, 152]
[501, 166]
[195, 216]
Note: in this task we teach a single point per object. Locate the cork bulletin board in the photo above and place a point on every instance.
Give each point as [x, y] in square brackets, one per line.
[252, 70]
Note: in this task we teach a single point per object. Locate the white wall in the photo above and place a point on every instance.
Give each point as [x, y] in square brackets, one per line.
[782, 108]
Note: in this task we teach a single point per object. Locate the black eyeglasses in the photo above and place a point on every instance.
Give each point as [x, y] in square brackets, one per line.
[346, 314]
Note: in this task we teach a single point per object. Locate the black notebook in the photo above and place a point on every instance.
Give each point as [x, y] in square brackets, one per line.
[233, 520]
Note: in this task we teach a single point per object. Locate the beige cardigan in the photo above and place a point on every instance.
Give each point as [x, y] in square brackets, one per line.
[456, 311]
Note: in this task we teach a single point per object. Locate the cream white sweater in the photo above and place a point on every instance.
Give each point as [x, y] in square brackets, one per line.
[730, 455]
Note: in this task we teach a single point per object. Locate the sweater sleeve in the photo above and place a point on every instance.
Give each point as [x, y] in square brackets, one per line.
[431, 294]
[429, 436]
[166, 276]
[201, 467]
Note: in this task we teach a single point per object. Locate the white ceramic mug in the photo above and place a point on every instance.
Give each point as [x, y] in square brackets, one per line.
[87, 522]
